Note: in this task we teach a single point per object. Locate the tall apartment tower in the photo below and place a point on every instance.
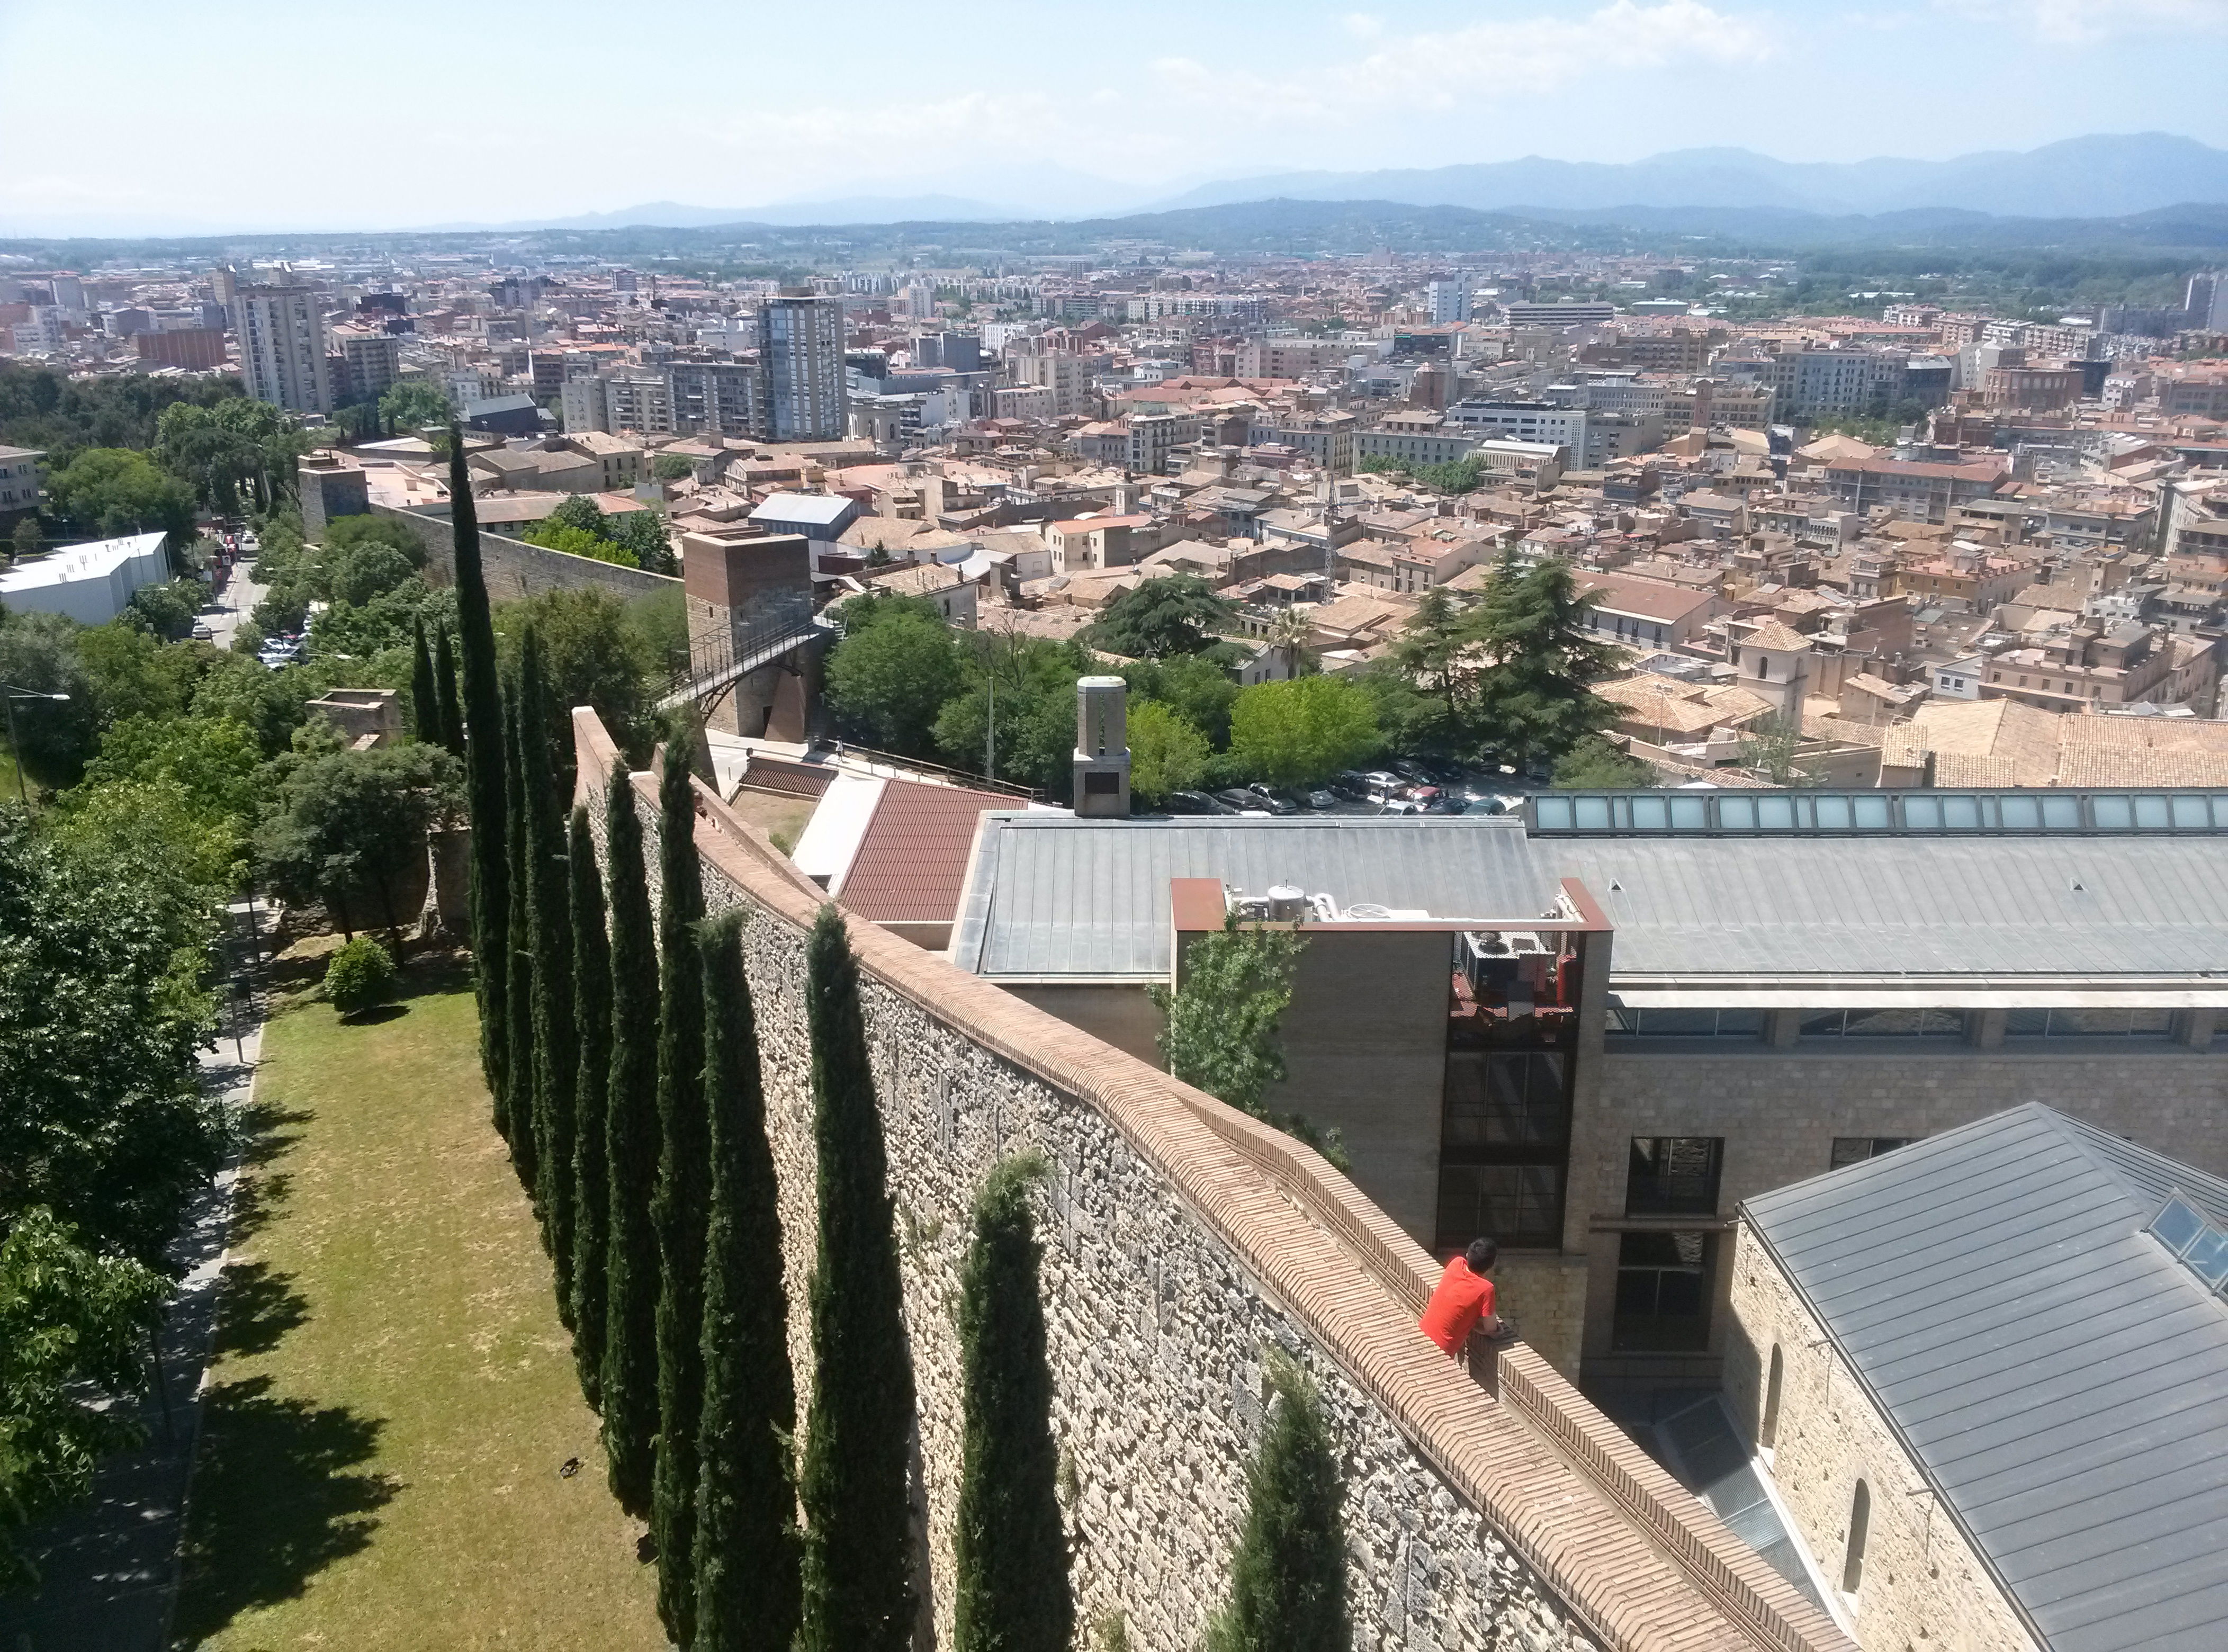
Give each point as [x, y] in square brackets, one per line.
[800, 354]
[1450, 300]
[282, 347]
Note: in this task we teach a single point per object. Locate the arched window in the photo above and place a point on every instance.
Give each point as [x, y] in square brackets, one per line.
[1763, 667]
[1860, 1520]
[1767, 1433]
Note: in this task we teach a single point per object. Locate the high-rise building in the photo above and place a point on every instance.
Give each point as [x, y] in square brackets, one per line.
[583, 403]
[800, 354]
[716, 398]
[194, 349]
[371, 361]
[1449, 301]
[282, 347]
[639, 400]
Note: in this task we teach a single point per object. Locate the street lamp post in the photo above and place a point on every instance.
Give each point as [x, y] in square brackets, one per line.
[9, 693]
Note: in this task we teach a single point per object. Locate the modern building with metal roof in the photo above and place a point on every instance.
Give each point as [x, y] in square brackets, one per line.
[2032, 1309]
[1591, 1028]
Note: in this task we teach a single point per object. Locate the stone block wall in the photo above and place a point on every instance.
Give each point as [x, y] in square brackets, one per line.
[1923, 1585]
[1182, 1243]
[514, 568]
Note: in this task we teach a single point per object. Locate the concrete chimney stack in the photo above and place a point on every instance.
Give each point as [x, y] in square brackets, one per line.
[1102, 747]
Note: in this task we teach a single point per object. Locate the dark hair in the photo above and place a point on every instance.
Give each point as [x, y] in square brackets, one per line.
[1482, 1254]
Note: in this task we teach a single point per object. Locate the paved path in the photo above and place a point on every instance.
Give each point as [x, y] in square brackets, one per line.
[234, 600]
[109, 1567]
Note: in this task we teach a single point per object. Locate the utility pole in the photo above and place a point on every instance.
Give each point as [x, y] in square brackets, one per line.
[990, 737]
[9, 693]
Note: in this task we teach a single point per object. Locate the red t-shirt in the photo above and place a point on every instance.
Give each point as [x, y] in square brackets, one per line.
[1461, 1299]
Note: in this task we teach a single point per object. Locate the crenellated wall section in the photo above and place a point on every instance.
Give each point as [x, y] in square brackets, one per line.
[1182, 1242]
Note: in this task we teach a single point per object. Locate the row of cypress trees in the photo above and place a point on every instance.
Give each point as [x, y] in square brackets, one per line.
[620, 1047]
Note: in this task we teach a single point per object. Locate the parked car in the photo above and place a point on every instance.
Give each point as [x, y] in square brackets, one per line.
[1195, 803]
[1401, 806]
[1275, 801]
[1321, 798]
[1351, 784]
[1240, 800]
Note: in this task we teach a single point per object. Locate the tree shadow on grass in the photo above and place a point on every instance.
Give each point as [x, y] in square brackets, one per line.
[278, 1497]
[431, 973]
[376, 1013]
[257, 1308]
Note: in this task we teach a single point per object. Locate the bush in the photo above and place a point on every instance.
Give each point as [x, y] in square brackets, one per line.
[360, 976]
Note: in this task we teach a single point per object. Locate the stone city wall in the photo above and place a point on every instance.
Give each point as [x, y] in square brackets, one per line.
[514, 568]
[1183, 1241]
[1923, 1585]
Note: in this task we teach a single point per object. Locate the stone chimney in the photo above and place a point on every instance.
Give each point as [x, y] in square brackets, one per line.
[1102, 748]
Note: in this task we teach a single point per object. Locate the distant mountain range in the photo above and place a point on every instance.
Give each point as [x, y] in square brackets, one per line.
[2099, 176]
[2103, 176]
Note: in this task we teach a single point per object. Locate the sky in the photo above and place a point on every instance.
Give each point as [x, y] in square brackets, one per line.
[231, 115]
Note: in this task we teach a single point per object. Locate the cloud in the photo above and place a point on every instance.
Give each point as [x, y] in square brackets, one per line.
[1542, 54]
[2084, 22]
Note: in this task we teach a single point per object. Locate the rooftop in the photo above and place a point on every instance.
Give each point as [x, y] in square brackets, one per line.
[2060, 1377]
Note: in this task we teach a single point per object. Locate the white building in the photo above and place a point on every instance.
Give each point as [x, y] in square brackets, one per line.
[282, 347]
[1449, 301]
[91, 583]
[584, 404]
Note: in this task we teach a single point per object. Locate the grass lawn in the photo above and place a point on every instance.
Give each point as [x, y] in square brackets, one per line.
[394, 1397]
[781, 818]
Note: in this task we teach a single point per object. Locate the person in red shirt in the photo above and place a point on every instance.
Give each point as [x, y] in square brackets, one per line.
[1463, 1300]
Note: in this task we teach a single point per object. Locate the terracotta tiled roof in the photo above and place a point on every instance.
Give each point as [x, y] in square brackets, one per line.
[912, 859]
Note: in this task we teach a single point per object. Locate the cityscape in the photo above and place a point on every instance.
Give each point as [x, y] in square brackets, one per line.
[1444, 877]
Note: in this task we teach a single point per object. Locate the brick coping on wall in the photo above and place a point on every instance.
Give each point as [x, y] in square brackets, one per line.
[1633, 1554]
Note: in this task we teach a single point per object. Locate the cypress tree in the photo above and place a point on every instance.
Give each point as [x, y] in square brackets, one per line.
[425, 697]
[1288, 1576]
[445, 688]
[858, 1575]
[679, 1208]
[592, 1023]
[630, 1141]
[1010, 1548]
[519, 1105]
[556, 1048]
[747, 1587]
[486, 791]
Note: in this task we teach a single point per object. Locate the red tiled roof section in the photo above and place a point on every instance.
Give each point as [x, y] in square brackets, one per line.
[791, 779]
[913, 858]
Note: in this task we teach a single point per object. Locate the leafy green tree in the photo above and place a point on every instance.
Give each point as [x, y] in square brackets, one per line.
[642, 533]
[1536, 699]
[521, 1113]
[413, 404]
[747, 1561]
[39, 653]
[1288, 1575]
[425, 697]
[859, 1586]
[890, 677]
[231, 451]
[1166, 754]
[1593, 765]
[134, 674]
[359, 532]
[1438, 654]
[553, 535]
[1303, 729]
[671, 467]
[1030, 685]
[597, 653]
[357, 574]
[1194, 687]
[580, 511]
[29, 538]
[113, 492]
[74, 1329]
[1773, 747]
[215, 759]
[1009, 1547]
[678, 1208]
[349, 828]
[591, 1023]
[268, 703]
[360, 975]
[168, 610]
[444, 685]
[1177, 613]
[629, 1379]
[101, 1010]
[485, 788]
[556, 1044]
[1225, 1016]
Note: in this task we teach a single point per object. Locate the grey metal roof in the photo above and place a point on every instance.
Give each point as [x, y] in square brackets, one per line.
[2061, 1378]
[2006, 906]
[1053, 895]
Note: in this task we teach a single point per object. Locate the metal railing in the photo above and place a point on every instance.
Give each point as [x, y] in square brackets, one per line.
[716, 661]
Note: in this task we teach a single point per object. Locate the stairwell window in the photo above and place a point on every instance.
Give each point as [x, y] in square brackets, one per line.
[1767, 1432]
[1861, 1520]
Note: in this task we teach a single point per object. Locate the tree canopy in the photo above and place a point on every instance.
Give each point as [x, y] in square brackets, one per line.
[889, 678]
[1303, 729]
[1177, 613]
[347, 826]
[1166, 754]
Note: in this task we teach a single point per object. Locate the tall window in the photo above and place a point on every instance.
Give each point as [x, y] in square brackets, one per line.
[1767, 1433]
[1663, 1293]
[1860, 1521]
[1673, 1175]
[1504, 1138]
